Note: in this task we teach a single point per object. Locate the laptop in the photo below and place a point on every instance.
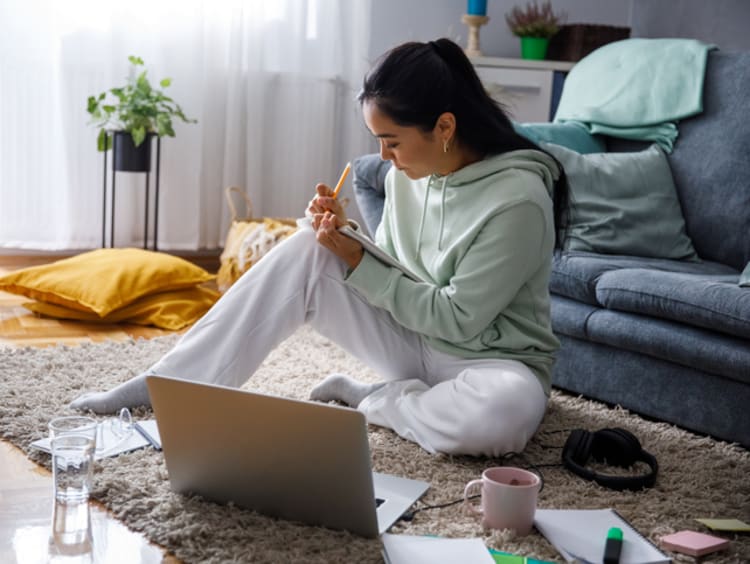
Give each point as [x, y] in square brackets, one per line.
[297, 460]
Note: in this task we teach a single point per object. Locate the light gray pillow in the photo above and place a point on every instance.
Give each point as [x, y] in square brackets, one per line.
[745, 277]
[624, 204]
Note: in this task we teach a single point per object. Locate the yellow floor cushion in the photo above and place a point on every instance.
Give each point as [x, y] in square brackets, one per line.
[103, 281]
[172, 310]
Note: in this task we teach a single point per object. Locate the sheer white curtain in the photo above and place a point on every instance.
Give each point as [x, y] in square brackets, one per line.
[271, 83]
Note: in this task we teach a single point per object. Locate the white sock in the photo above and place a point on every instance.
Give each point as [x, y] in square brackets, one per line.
[343, 388]
[132, 393]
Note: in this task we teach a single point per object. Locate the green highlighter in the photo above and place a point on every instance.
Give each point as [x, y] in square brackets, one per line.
[505, 558]
[613, 546]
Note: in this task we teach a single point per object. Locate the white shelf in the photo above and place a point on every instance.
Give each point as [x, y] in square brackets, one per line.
[564, 66]
[524, 87]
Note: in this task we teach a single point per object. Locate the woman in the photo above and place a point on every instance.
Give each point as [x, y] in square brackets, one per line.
[465, 355]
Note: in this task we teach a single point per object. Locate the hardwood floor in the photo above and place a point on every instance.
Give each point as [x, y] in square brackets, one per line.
[27, 534]
[21, 328]
[27, 514]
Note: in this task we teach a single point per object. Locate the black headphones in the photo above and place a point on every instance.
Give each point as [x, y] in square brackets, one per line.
[617, 447]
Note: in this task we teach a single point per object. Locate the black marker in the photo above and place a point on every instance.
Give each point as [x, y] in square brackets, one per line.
[613, 547]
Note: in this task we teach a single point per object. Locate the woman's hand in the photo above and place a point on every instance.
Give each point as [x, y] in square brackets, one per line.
[324, 202]
[328, 235]
[326, 216]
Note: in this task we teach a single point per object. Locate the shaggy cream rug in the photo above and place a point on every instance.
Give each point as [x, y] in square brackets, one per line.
[699, 477]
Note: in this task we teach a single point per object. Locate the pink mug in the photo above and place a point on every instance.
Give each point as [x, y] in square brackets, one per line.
[508, 498]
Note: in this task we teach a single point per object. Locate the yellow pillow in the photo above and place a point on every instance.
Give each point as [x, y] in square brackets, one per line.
[104, 280]
[167, 310]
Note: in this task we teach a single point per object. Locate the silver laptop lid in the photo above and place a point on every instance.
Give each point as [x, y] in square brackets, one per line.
[286, 458]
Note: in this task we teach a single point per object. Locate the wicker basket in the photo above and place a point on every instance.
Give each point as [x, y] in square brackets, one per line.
[248, 239]
[574, 41]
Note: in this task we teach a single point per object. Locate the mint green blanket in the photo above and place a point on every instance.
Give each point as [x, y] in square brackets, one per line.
[637, 88]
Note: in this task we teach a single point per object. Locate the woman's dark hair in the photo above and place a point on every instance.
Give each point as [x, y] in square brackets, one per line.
[414, 83]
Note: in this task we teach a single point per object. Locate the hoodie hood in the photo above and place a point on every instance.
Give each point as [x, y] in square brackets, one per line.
[478, 174]
[534, 161]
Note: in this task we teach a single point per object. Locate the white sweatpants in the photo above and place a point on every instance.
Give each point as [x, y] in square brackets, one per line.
[441, 402]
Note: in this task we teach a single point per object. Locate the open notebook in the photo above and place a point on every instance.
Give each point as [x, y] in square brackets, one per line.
[580, 534]
[370, 246]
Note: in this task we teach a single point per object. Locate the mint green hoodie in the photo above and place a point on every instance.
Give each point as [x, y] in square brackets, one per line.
[482, 237]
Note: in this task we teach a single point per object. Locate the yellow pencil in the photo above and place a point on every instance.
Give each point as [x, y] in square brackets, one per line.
[341, 180]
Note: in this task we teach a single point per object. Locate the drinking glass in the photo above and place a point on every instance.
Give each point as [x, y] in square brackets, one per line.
[73, 425]
[72, 467]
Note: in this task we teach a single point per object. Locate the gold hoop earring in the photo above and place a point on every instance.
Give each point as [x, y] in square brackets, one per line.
[445, 146]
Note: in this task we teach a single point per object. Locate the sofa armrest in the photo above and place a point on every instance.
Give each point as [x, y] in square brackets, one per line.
[368, 181]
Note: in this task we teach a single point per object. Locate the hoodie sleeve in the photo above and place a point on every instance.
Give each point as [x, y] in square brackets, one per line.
[505, 253]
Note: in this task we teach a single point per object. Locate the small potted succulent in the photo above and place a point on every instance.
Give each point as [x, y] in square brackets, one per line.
[138, 112]
[534, 24]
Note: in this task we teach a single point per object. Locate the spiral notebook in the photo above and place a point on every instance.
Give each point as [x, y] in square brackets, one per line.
[579, 535]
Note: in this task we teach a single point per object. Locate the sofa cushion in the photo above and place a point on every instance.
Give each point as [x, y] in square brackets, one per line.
[624, 203]
[714, 302]
[569, 316]
[710, 163]
[576, 274]
[572, 135]
[667, 391]
[682, 344]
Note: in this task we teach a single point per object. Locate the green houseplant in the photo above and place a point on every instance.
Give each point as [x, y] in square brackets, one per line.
[534, 24]
[138, 109]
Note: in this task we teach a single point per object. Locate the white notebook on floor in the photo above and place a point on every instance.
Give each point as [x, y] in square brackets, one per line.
[580, 535]
[411, 549]
[114, 445]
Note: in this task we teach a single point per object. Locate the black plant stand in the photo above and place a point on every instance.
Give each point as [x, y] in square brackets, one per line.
[123, 161]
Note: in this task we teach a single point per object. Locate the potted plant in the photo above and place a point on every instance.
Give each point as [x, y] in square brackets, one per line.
[138, 112]
[534, 24]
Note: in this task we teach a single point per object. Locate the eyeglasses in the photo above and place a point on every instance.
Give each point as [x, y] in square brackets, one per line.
[112, 433]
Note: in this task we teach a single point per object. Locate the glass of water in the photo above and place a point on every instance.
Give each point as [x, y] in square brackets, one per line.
[72, 467]
[72, 442]
[73, 425]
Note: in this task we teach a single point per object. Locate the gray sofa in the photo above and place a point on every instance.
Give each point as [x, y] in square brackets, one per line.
[664, 338]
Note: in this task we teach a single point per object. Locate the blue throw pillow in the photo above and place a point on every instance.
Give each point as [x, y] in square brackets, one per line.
[624, 204]
[572, 135]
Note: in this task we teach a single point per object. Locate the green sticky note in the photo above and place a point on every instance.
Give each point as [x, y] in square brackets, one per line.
[725, 525]
[506, 558]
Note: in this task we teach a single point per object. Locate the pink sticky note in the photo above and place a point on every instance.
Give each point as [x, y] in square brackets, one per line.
[693, 543]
